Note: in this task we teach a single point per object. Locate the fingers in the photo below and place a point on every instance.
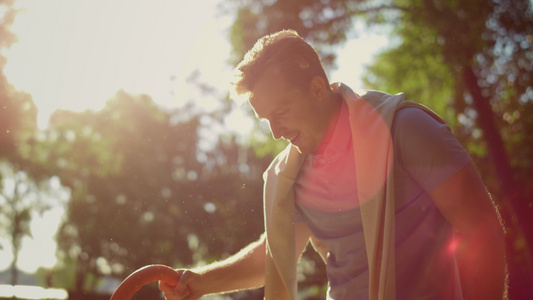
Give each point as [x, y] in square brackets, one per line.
[182, 289]
[173, 292]
[165, 288]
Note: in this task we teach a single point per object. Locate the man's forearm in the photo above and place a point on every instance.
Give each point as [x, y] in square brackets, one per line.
[244, 270]
[482, 265]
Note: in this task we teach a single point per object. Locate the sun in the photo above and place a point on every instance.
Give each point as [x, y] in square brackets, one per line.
[75, 55]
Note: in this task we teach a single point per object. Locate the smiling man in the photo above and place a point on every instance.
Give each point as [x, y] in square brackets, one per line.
[289, 112]
[379, 185]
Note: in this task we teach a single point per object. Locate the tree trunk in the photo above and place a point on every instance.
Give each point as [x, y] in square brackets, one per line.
[14, 270]
[515, 210]
[15, 242]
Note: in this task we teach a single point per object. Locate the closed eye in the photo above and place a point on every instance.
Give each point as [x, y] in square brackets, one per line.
[281, 114]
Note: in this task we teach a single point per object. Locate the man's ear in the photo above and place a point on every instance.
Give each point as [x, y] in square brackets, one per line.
[318, 87]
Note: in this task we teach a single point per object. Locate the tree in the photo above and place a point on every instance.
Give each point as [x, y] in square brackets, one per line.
[18, 114]
[143, 191]
[119, 164]
[491, 96]
[20, 198]
[15, 213]
[18, 190]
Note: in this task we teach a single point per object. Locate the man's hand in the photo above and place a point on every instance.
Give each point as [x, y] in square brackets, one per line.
[188, 287]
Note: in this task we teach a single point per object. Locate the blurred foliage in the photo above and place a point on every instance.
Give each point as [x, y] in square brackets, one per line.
[17, 111]
[19, 199]
[323, 23]
[470, 61]
[142, 189]
[143, 192]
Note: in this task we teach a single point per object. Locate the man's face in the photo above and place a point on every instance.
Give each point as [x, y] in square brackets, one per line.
[292, 114]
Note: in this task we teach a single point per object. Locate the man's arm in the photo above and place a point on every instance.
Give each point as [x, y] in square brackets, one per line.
[244, 270]
[466, 204]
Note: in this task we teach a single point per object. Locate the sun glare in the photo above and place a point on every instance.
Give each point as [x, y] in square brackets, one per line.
[76, 54]
[43, 230]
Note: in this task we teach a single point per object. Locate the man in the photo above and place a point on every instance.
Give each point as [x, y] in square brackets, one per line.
[379, 185]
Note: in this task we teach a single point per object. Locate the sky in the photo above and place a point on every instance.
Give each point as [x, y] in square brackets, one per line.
[76, 54]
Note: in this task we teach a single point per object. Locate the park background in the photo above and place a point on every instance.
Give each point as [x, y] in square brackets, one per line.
[120, 146]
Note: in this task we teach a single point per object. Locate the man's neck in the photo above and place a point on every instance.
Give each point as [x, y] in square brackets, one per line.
[335, 104]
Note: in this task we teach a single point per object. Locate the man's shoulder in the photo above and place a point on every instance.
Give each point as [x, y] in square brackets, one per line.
[372, 95]
[287, 157]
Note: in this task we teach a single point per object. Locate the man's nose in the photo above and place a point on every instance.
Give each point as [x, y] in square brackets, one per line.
[276, 130]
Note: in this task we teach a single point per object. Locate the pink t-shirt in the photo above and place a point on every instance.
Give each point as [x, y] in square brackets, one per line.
[327, 181]
[425, 154]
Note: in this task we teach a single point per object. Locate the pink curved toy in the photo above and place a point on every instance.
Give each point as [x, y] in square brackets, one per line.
[142, 277]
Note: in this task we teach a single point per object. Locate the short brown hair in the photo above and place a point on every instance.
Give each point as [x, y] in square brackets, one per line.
[286, 50]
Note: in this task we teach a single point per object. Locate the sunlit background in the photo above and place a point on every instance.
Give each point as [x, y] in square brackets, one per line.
[76, 54]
